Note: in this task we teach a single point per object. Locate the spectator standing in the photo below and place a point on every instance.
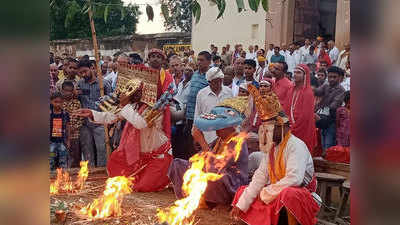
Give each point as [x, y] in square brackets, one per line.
[282, 85]
[59, 133]
[277, 57]
[251, 54]
[344, 57]
[301, 107]
[270, 52]
[229, 72]
[331, 98]
[198, 82]
[71, 104]
[53, 78]
[91, 134]
[343, 122]
[291, 58]
[211, 96]
[239, 75]
[70, 73]
[333, 52]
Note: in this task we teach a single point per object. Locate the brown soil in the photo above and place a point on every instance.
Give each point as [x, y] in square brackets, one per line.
[138, 208]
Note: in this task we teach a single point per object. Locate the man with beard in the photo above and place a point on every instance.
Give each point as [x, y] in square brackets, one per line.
[70, 69]
[281, 85]
[91, 134]
[144, 150]
[238, 78]
[284, 181]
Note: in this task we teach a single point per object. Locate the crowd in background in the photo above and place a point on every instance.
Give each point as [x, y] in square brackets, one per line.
[311, 80]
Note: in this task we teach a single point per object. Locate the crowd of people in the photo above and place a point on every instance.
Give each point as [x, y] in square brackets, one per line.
[308, 87]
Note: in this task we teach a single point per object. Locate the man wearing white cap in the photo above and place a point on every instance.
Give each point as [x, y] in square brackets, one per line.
[211, 96]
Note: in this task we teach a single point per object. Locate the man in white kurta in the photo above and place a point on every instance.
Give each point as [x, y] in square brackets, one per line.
[211, 96]
[285, 178]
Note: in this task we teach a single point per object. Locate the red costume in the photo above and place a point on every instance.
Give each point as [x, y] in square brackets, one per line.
[281, 88]
[149, 168]
[300, 111]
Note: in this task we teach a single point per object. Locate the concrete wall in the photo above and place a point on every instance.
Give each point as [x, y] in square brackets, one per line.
[247, 27]
[111, 45]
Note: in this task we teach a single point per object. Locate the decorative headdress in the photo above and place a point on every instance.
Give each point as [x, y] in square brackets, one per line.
[268, 106]
[157, 51]
[229, 113]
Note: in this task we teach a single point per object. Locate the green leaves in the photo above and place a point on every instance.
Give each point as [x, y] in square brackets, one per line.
[149, 12]
[165, 11]
[264, 4]
[240, 5]
[122, 13]
[221, 7]
[73, 8]
[254, 5]
[196, 10]
[106, 13]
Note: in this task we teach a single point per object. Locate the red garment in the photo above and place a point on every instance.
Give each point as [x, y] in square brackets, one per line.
[323, 56]
[281, 88]
[149, 169]
[300, 111]
[296, 200]
[338, 154]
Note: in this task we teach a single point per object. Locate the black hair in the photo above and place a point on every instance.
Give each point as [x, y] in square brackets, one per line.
[93, 63]
[322, 70]
[312, 47]
[84, 63]
[251, 63]
[206, 55]
[346, 97]
[72, 60]
[335, 69]
[263, 51]
[55, 95]
[67, 84]
[216, 57]
[285, 66]
[85, 57]
[276, 46]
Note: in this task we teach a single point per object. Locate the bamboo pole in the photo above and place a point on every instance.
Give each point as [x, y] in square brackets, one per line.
[99, 74]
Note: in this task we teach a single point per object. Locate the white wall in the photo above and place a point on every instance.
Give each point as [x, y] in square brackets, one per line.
[232, 28]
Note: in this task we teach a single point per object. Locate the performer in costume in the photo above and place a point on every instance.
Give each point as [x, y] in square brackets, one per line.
[223, 118]
[145, 150]
[284, 181]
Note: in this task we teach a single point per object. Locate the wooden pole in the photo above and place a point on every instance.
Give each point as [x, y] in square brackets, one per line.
[99, 74]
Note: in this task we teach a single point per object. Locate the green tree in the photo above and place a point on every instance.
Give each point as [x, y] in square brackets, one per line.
[173, 10]
[179, 15]
[69, 18]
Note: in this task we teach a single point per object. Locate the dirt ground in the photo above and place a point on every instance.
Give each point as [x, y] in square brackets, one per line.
[138, 208]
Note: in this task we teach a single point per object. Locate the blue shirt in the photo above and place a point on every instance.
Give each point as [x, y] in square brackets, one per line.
[197, 83]
[91, 93]
[277, 58]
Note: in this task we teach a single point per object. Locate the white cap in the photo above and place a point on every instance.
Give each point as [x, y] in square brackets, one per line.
[214, 73]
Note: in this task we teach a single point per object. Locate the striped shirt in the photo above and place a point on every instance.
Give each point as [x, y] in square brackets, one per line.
[197, 83]
[91, 93]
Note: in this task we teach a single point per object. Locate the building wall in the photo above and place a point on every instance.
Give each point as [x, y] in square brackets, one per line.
[247, 27]
[111, 45]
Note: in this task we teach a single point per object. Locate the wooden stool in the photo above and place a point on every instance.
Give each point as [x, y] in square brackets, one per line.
[325, 183]
[343, 203]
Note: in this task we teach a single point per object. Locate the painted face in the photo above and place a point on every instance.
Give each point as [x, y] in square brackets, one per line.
[219, 118]
[264, 89]
[266, 131]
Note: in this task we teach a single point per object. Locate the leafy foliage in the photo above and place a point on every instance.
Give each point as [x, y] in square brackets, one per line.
[177, 14]
[69, 18]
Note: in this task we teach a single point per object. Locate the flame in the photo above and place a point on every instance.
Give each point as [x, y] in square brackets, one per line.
[55, 186]
[83, 174]
[109, 204]
[195, 181]
[63, 181]
[68, 186]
